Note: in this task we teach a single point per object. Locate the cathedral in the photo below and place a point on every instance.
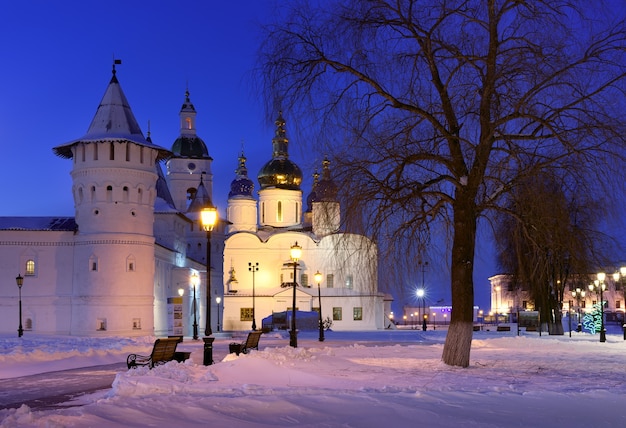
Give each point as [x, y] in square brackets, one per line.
[133, 259]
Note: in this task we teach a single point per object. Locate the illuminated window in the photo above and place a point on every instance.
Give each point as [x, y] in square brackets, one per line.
[245, 314]
[357, 314]
[30, 267]
[279, 211]
[304, 280]
[349, 282]
[188, 122]
[337, 314]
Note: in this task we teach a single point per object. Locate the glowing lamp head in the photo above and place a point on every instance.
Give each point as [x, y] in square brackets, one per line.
[296, 252]
[420, 293]
[318, 277]
[208, 218]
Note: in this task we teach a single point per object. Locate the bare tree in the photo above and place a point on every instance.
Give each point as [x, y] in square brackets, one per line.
[547, 236]
[434, 109]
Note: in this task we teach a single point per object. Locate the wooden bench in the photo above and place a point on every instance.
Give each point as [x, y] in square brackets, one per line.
[164, 350]
[251, 342]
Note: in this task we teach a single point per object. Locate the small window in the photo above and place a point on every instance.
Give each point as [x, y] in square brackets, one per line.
[583, 304]
[337, 314]
[93, 263]
[279, 212]
[618, 304]
[136, 323]
[349, 282]
[330, 279]
[304, 279]
[112, 151]
[188, 122]
[357, 314]
[28, 324]
[30, 267]
[95, 151]
[245, 314]
[130, 263]
[101, 324]
[127, 152]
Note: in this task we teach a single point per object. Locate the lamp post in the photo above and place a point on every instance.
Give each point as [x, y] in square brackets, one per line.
[434, 321]
[20, 281]
[253, 268]
[208, 216]
[422, 295]
[195, 281]
[578, 294]
[296, 253]
[318, 279]
[622, 272]
[218, 300]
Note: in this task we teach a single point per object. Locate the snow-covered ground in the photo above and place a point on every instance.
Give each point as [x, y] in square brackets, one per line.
[361, 379]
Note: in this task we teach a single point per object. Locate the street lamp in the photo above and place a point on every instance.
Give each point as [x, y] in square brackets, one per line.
[296, 253]
[20, 281]
[208, 217]
[253, 268]
[318, 279]
[218, 300]
[421, 294]
[434, 321]
[578, 294]
[195, 281]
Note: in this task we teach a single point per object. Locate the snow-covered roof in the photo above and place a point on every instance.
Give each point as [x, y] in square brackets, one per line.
[113, 121]
[38, 223]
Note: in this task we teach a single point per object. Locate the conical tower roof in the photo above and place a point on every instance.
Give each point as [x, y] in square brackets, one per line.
[113, 121]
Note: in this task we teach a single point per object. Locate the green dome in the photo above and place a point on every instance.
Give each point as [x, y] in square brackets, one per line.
[190, 147]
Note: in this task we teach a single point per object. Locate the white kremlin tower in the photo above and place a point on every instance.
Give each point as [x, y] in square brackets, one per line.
[114, 188]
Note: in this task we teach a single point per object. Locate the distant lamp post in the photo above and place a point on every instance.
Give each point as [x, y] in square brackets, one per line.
[318, 279]
[218, 300]
[434, 323]
[195, 281]
[622, 272]
[254, 268]
[579, 295]
[20, 281]
[422, 295]
[296, 253]
[208, 217]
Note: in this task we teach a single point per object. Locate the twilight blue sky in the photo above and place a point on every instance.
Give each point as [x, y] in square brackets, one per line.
[56, 64]
[57, 58]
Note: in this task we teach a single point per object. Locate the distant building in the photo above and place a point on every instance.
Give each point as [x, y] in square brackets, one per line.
[507, 299]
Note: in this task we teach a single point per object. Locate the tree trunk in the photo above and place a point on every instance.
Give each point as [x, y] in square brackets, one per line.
[456, 351]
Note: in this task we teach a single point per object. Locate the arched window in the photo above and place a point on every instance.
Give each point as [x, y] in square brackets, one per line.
[93, 263]
[112, 151]
[279, 211]
[188, 122]
[30, 267]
